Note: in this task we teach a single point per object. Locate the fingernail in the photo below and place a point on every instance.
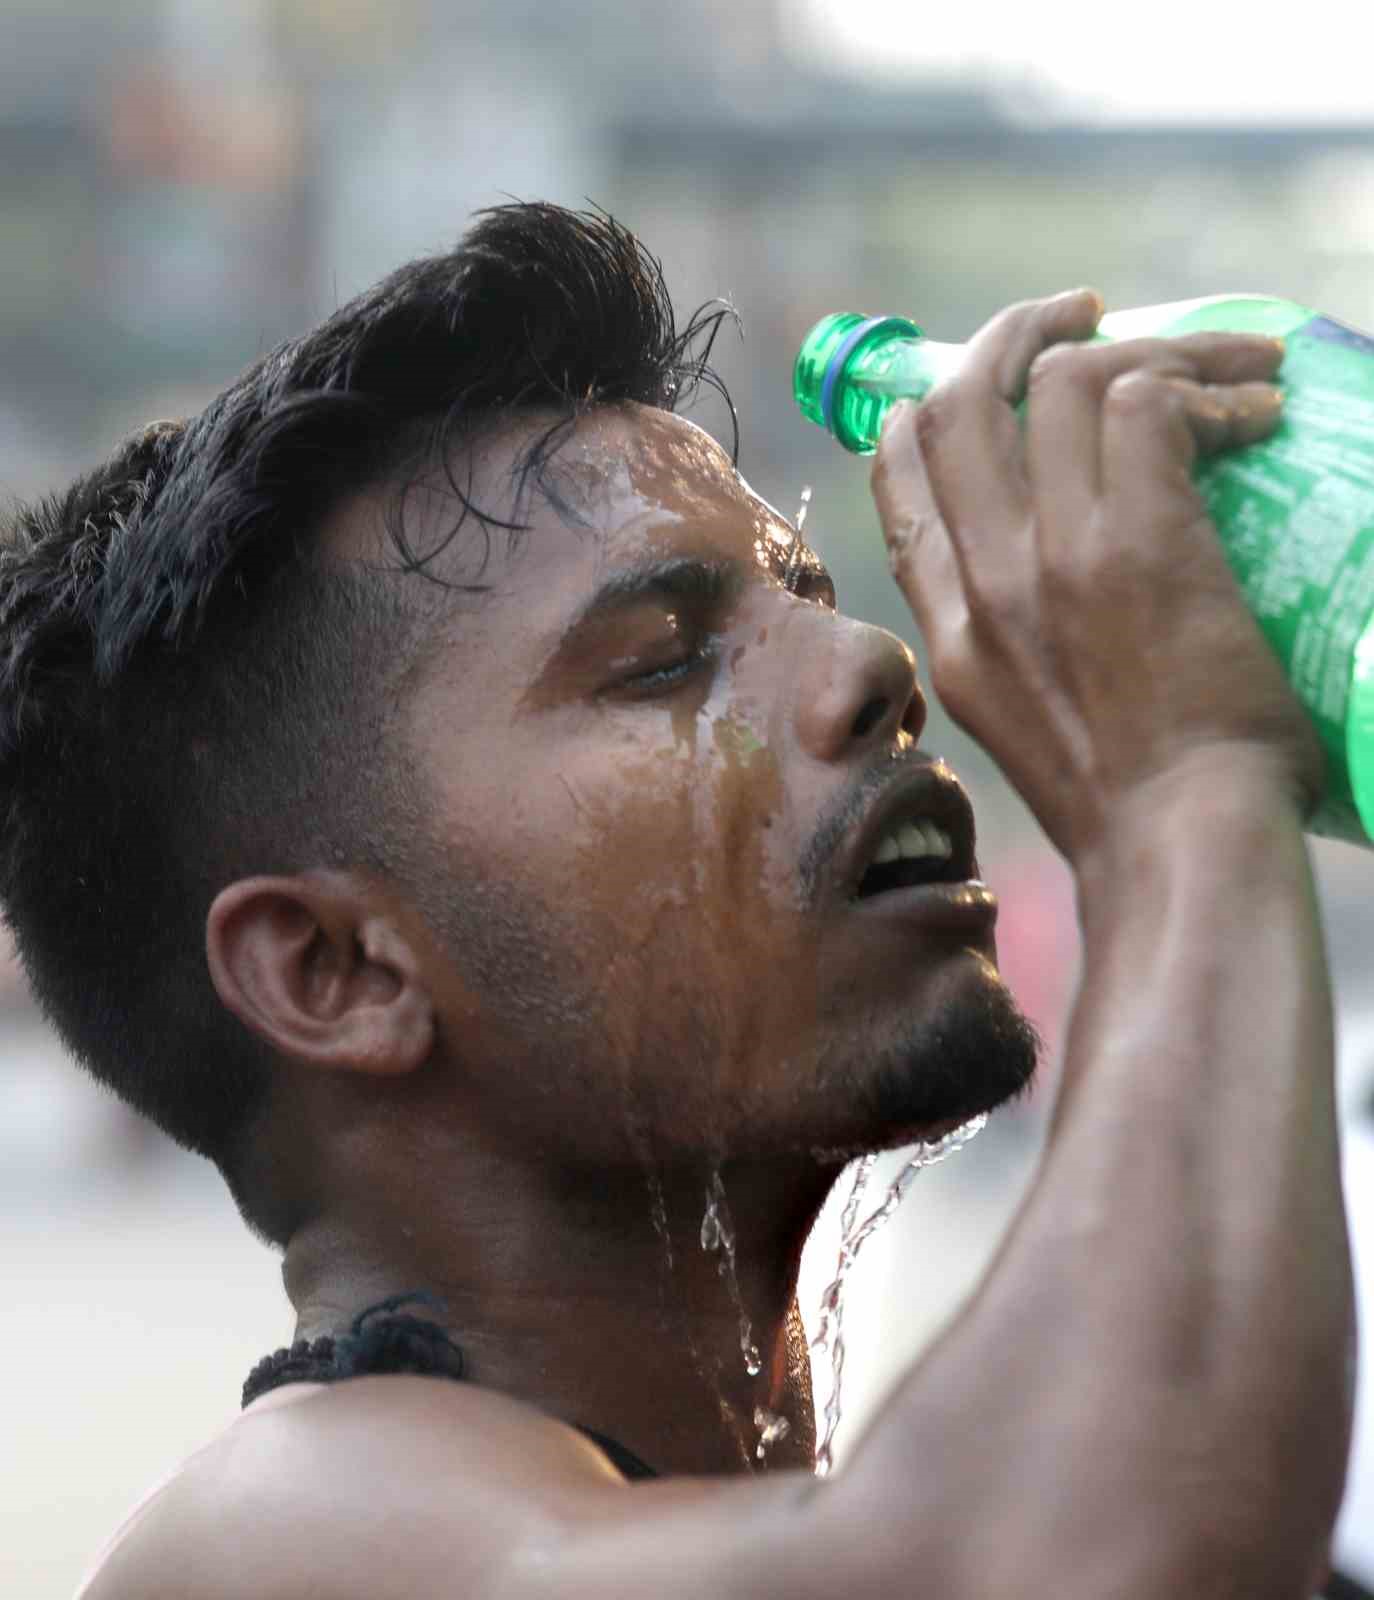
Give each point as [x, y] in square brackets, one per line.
[1098, 304]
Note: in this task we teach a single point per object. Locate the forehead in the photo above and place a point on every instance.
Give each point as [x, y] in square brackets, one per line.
[625, 484]
[641, 477]
[621, 480]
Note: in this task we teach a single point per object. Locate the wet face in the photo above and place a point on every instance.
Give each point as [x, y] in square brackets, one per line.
[694, 886]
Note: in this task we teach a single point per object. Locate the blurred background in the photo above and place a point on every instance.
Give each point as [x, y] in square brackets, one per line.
[184, 183]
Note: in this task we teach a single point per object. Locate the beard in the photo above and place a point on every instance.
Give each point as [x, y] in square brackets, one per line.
[974, 1054]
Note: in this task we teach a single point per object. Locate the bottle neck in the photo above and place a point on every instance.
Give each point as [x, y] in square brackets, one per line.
[905, 369]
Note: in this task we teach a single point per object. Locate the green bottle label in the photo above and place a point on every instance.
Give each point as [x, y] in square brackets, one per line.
[1297, 516]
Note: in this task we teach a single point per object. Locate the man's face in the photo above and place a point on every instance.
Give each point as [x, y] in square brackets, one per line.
[653, 777]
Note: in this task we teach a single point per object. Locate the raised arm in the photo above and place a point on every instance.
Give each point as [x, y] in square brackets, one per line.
[1151, 1394]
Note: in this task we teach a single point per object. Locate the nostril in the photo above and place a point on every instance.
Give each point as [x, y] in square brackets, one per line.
[871, 715]
[914, 717]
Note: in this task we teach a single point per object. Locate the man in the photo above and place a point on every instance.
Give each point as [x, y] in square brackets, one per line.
[442, 792]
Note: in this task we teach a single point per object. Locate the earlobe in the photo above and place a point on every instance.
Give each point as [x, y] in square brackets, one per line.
[316, 970]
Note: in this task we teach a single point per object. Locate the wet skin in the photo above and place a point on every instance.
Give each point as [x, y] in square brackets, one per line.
[1151, 1392]
[639, 770]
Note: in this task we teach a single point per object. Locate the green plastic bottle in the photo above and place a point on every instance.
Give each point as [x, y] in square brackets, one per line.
[1295, 511]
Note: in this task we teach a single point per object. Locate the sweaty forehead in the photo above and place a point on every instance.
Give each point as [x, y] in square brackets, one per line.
[618, 472]
[626, 464]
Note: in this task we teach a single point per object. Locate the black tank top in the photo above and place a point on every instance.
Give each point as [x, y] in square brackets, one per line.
[381, 1339]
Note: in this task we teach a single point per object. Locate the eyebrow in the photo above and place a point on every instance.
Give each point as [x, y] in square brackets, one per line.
[682, 580]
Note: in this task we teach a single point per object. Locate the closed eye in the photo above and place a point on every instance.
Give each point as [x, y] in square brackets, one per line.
[668, 675]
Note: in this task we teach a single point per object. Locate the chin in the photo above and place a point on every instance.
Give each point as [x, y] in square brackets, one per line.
[934, 1075]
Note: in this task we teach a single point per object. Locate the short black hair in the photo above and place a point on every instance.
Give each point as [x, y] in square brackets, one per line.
[189, 694]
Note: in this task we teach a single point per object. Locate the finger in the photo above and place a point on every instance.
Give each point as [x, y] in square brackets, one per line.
[1155, 427]
[1067, 383]
[1224, 418]
[919, 552]
[968, 429]
[1224, 357]
[1001, 352]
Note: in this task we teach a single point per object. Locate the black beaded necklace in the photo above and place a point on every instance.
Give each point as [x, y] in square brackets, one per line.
[382, 1340]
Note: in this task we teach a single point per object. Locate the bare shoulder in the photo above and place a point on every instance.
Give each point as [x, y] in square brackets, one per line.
[385, 1487]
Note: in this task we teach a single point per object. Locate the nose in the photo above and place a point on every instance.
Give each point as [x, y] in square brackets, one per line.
[857, 689]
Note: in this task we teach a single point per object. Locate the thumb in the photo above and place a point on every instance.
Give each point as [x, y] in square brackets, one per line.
[919, 553]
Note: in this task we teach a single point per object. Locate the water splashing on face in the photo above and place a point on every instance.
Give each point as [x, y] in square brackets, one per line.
[853, 1236]
[718, 1234]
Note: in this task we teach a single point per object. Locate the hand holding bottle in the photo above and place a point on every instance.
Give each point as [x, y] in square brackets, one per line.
[1081, 619]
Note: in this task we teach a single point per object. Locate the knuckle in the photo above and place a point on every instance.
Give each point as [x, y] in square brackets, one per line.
[1135, 393]
[994, 601]
[1060, 363]
[907, 537]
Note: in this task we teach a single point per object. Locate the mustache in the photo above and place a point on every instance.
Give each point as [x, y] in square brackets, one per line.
[846, 812]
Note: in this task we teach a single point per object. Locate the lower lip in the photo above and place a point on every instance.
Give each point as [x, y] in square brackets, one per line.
[968, 907]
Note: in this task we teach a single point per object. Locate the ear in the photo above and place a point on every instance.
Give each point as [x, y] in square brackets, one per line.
[314, 967]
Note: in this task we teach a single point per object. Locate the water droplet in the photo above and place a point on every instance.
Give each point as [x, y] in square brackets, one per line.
[853, 1236]
[710, 1231]
[771, 1428]
[805, 507]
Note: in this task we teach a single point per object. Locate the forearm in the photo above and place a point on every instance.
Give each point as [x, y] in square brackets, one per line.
[1195, 1196]
[1196, 1125]
[1161, 1348]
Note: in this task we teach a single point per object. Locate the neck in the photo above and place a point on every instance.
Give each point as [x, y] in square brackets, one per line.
[591, 1297]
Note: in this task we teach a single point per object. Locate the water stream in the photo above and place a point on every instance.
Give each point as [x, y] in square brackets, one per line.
[658, 1215]
[829, 1338]
[718, 1234]
[804, 508]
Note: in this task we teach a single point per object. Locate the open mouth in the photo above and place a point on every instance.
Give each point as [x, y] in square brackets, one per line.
[919, 836]
[910, 854]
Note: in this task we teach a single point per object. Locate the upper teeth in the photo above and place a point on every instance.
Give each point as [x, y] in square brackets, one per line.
[912, 840]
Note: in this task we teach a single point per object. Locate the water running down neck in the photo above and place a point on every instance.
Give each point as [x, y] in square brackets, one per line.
[853, 1235]
[718, 1234]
